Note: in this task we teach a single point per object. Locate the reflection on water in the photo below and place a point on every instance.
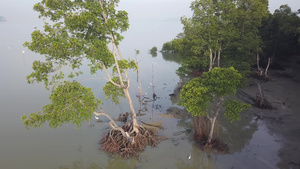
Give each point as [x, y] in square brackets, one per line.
[79, 164]
[171, 57]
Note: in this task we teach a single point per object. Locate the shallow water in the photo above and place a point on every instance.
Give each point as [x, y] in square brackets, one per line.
[68, 148]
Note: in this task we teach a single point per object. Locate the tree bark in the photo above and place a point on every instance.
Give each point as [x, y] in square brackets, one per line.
[124, 87]
[267, 68]
[261, 95]
[135, 125]
[112, 123]
[219, 57]
[259, 69]
[210, 59]
[213, 121]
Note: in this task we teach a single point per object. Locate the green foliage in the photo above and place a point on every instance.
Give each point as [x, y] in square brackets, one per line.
[42, 69]
[137, 52]
[192, 63]
[153, 51]
[175, 46]
[222, 81]
[167, 47]
[280, 34]
[228, 27]
[125, 64]
[195, 97]
[70, 103]
[233, 109]
[78, 30]
[198, 94]
[113, 92]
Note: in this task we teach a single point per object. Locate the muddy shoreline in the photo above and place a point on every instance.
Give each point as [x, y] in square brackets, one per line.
[284, 119]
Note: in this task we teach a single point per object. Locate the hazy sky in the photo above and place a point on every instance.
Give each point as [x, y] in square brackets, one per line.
[275, 4]
[137, 9]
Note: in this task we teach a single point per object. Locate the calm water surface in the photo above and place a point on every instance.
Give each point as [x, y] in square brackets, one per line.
[70, 148]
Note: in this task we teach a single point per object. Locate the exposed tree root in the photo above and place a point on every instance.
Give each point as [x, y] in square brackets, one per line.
[215, 144]
[201, 126]
[261, 101]
[115, 143]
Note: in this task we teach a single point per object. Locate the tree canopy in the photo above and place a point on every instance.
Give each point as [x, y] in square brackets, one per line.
[280, 34]
[77, 31]
[221, 33]
[204, 96]
[70, 103]
[198, 94]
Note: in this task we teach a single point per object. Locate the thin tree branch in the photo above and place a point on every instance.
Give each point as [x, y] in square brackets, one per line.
[112, 123]
[108, 75]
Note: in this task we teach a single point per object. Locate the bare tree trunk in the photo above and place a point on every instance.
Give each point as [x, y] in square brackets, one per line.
[210, 59]
[267, 68]
[213, 121]
[133, 113]
[124, 87]
[219, 57]
[139, 79]
[259, 69]
[261, 95]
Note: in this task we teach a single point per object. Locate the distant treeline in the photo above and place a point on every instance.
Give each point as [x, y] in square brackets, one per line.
[234, 33]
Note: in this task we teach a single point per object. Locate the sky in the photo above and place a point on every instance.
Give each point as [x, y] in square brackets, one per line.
[163, 16]
[137, 9]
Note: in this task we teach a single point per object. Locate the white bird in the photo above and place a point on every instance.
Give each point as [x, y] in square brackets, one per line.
[189, 157]
[96, 117]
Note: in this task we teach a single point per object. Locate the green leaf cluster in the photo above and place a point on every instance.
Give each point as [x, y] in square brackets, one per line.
[69, 103]
[153, 51]
[233, 109]
[80, 29]
[280, 33]
[125, 64]
[228, 27]
[112, 91]
[199, 94]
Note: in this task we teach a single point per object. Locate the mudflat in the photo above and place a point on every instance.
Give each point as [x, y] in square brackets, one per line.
[283, 92]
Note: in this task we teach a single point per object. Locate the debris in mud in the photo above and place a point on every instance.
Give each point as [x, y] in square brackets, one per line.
[174, 112]
[154, 126]
[258, 75]
[123, 117]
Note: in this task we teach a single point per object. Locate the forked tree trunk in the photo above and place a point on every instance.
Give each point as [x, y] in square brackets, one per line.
[124, 87]
[213, 121]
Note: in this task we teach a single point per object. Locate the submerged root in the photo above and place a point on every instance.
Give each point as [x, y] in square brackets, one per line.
[201, 127]
[215, 144]
[115, 143]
